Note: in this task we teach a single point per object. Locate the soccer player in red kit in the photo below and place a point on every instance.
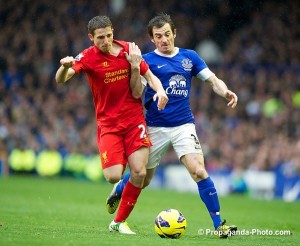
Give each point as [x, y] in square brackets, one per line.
[114, 70]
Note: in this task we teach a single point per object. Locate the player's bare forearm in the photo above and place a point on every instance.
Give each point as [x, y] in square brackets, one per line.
[153, 81]
[65, 72]
[134, 57]
[136, 85]
[62, 75]
[221, 89]
[156, 85]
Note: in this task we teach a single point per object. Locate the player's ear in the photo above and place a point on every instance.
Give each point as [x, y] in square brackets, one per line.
[174, 33]
[91, 37]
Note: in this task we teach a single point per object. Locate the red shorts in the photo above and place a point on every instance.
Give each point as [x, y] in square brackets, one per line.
[117, 142]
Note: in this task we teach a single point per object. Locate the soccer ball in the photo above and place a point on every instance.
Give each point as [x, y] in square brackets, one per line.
[170, 223]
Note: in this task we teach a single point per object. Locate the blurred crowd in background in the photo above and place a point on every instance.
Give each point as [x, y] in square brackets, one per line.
[254, 46]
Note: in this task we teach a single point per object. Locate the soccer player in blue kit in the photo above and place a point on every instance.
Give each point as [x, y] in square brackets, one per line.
[175, 125]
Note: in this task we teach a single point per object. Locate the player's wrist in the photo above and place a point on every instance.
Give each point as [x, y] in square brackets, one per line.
[225, 93]
[66, 66]
[135, 67]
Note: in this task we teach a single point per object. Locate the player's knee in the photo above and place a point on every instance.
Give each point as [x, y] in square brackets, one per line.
[138, 174]
[112, 178]
[200, 173]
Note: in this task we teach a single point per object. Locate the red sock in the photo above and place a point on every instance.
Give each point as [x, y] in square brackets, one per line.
[128, 200]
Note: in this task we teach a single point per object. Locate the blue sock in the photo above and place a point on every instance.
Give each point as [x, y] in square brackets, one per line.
[121, 185]
[209, 196]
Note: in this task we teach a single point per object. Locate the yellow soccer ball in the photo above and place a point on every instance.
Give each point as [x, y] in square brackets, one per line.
[170, 223]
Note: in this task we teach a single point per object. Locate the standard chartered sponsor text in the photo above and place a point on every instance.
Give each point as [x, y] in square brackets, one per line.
[116, 75]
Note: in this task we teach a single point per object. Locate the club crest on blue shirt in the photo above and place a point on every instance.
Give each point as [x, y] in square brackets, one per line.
[187, 64]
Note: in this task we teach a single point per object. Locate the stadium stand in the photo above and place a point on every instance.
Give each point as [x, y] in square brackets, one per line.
[260, 44]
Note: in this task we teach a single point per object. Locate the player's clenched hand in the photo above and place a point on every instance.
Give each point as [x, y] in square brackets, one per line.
[135, 55]
[162, 99]
[67, 61]
[232, 98]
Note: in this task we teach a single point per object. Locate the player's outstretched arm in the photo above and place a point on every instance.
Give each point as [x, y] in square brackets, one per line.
[65, 72]
[156, 85]
[221, 89]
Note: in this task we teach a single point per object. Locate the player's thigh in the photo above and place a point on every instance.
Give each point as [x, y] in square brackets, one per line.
[136, 136]
[111, 148]
[137, 161]
[137, 164]
[185, 141]
[194, 163]
[161, 141]
[188, 149]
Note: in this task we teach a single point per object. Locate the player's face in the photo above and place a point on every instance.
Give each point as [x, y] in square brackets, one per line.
[103, 39]
[163, 38]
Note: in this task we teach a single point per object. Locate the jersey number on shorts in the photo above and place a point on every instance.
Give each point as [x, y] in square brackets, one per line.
[143, 133]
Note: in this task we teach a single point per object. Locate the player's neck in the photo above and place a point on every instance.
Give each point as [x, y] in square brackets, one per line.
[115, 49]
[169, 54]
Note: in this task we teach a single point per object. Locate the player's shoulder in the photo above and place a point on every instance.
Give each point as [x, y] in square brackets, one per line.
[187, 51]
[122, 43]
[85, 53]
[148, 57]
[91, 49]
[189, 54]
[149, 54]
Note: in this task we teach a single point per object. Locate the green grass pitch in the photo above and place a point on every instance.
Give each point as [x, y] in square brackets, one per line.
[56, 211]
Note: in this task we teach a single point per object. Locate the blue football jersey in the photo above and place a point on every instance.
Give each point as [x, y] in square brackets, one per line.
[175, 73]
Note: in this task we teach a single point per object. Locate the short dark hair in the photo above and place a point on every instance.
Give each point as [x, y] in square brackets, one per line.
[159, 21]
[98, 22]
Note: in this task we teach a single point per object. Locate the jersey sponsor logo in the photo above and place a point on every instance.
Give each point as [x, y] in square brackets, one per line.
[79, 56]
[115, 76]
[160, 66]
[187, 64]
[177, 86]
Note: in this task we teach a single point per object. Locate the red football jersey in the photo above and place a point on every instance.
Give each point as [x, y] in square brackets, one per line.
[109, 79]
